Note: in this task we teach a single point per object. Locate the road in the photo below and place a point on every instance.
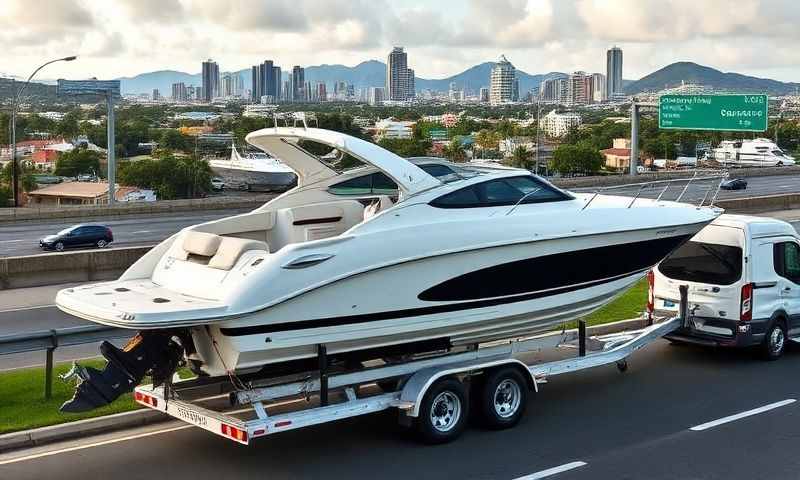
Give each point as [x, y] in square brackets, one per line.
[22, 238]
[634, 425]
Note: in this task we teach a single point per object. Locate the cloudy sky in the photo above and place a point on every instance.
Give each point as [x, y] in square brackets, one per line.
[124, 37]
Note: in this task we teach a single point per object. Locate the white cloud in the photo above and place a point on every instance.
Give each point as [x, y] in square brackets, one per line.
[125, 37]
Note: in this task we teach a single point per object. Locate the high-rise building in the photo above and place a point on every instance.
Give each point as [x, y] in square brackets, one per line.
[277, 75]
[321, 92]
[483, 96]
[227, 85]
[579, 89]
[298, 84]
[267, 77]
[376, 95]
[238, 84]
[255, 83]
[179, 92]
[613, 72]
[210, 76]
[599, 88]
[156, 95]
[411, 91]
[397, 75]
[501, 82]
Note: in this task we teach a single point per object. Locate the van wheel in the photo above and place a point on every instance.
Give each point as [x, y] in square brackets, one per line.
[443, 412]
[775, 342]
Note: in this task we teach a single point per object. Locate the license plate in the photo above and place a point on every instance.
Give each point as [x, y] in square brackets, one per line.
[669, 303]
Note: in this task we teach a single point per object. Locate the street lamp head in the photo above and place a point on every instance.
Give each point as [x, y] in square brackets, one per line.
[70, 58]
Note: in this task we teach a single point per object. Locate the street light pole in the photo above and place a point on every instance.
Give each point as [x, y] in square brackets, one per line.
[14, 106]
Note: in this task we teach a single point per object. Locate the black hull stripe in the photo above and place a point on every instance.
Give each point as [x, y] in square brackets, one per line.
[409, 312]
[594, 267]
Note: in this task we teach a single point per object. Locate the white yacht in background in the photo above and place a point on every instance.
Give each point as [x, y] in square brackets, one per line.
[464, 255]
[254, 168]
[759, 152]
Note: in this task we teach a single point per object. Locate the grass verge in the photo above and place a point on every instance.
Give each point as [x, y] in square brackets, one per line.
[630, 304]
[22, 403]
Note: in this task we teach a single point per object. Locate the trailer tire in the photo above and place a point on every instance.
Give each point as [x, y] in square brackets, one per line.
[502, 399]
[443, 412]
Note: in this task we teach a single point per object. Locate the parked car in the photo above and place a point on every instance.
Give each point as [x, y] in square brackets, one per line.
[217, 184]
[743, 276]
[78, 236]
[734, 184]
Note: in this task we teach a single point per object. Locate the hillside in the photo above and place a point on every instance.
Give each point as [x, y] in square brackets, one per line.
[672, 75]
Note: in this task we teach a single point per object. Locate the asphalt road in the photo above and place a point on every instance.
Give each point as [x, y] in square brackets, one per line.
[22, 238]
[634, 425]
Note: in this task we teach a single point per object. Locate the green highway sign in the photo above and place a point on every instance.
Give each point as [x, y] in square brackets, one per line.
[713, 112]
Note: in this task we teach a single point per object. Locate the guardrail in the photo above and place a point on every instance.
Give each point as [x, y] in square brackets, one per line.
[49, 340]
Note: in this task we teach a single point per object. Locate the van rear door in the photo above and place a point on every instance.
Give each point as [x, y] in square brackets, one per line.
[712, 264]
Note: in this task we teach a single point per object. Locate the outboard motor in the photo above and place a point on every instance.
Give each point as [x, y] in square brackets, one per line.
[154, 353]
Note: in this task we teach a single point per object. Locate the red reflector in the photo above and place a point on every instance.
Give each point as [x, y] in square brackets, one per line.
[137, 396]
[283, 423]
[651, 291]
[259, 432]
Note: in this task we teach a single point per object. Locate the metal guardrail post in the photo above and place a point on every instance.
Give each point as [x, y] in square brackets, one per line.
[48, 368]
[581, 338]
[684, 305]
[322, 354]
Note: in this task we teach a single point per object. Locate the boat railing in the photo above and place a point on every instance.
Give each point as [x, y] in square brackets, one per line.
[286, 117]
[708, 183]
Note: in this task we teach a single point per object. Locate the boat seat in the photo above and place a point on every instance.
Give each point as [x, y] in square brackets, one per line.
[197, 244]
[314, 222]
[231, 248]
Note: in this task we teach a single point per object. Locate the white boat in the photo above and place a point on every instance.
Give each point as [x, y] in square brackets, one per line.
[254, 168]
[759, 152]
[465, 255]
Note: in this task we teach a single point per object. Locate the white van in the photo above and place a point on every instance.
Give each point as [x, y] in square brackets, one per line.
[743, 275]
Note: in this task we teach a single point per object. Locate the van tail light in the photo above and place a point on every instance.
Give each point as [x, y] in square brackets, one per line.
[746, 310]
[651, 293]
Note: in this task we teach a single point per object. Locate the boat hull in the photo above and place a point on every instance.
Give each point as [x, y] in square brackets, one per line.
[393, 308]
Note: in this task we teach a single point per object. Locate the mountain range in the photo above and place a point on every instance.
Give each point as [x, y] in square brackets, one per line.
[371, 73]
[672, 75]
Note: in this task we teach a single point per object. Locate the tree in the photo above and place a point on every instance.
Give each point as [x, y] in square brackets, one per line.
[68, 127]
[174, 140]
[455, 151]
[406, 147]
[78, 161]
[487, 139]
[572, 159]
[521, 158]
[26, 179]
[170, 176]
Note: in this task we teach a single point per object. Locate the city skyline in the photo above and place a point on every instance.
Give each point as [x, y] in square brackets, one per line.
[131, 37]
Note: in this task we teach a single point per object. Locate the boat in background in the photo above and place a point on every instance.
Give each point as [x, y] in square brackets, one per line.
[254, 171]
[759, 152]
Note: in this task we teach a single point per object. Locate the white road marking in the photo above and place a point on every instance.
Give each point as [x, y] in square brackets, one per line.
[552, 471]
[749, 413]
[15, 241]
[142, 231]
[6, 310]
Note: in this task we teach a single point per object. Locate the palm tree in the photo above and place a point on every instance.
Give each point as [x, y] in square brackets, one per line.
[455, 151]
[521, 157]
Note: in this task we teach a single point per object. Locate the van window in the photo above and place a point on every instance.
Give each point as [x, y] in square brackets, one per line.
[786, 257]
[704, 263]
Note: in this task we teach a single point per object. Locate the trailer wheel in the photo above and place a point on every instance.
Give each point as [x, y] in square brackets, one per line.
[622, 365]
[502, 399]
[443, 412]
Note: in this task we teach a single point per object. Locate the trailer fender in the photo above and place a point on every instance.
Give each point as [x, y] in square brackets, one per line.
[417, 385]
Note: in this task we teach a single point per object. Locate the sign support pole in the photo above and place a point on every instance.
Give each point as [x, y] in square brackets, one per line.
[111, 148]
[634, 138]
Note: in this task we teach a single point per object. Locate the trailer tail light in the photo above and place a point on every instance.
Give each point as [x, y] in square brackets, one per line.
[746, 310]
[146, 399]
[233, 432]
[651, 293]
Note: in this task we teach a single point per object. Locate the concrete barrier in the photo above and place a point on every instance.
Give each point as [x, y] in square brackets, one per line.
[55, 268]
[761, 204]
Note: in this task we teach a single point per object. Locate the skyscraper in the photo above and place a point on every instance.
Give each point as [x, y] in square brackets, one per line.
[210, 80]
[579, 89]
[501, 82]
[397, 75]
[227, 85]
[255, 87]
[298, 84]
[179, 92]
[599, 88]
[411, 87]
[613, 72]
[267, 76]
[276, 74]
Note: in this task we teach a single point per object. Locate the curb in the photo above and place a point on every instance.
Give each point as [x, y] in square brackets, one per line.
[120, 421]
[65, 431]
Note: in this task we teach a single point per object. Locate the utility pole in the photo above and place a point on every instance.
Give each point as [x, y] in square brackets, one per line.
[111, 150]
